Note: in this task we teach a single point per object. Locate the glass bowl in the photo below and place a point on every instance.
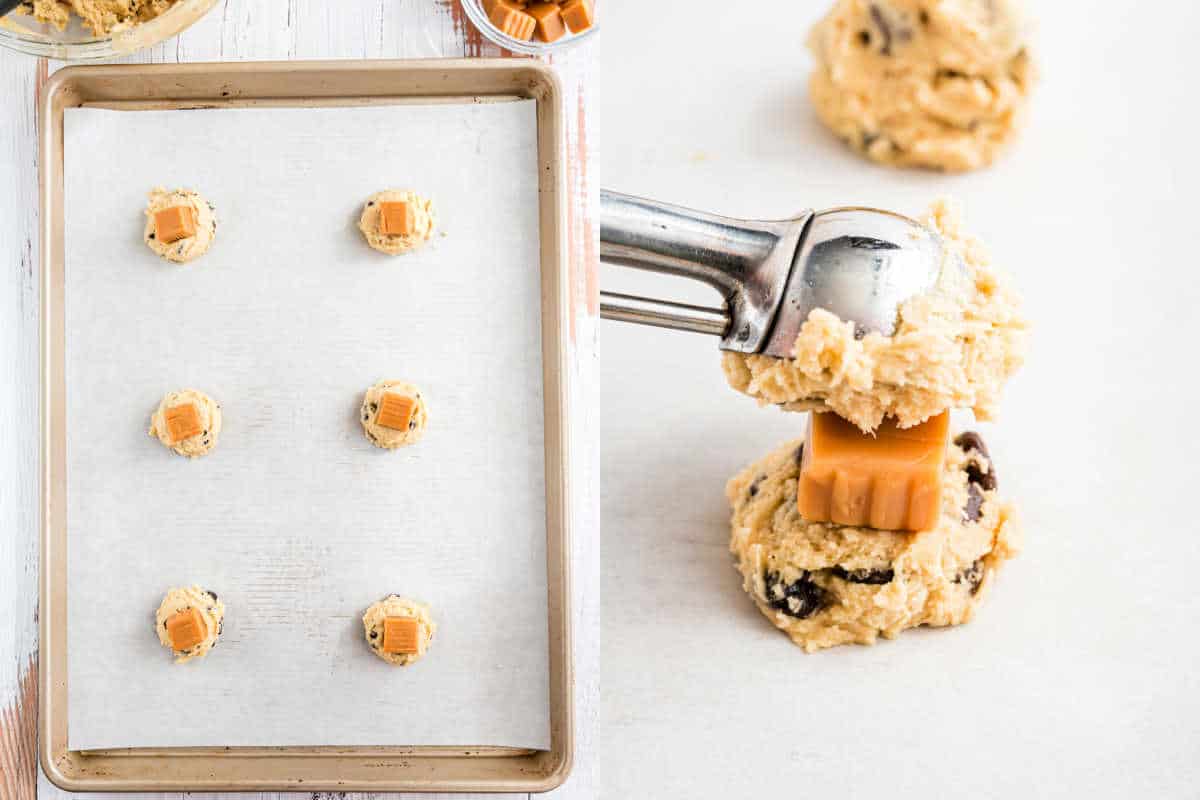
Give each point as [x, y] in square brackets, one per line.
[77, 43]
[474, 10]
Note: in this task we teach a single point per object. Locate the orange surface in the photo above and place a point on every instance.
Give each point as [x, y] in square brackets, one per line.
[186, 629]
[578, 15]
[511, 20]
[550, 26]
[183, 422]
[396, 218]
[401, 635]
[395, 411]
[891, 480]
[174, 223]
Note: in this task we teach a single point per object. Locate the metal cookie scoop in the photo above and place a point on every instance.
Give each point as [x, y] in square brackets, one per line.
[858, 263]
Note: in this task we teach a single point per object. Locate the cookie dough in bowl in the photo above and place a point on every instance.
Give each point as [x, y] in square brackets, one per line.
[913, 83]
[953, 347]
[825, 584]
[396, 222]
[180, 225]
[393, 414]
[188, 422]
[398, 630]
[101, 17]
[189, 621]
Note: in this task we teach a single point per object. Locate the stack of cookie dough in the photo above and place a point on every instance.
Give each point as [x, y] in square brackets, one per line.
[882, 519]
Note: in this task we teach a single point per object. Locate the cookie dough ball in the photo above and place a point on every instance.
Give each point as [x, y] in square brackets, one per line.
[917, 84]
[188, 422]
[188, 622]
[825, 584]
[180, 225]
[396, 222]
[393, 414]
[954, 347]
[398, 630]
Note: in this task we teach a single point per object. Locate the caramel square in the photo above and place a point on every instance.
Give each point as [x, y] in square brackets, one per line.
[891, 480]
[395, 411]
[397, 218]
[511, 20]
[401, 635]
[550, 25]
[578, 15]
[174, 223]
[183, 422]
[186, 629]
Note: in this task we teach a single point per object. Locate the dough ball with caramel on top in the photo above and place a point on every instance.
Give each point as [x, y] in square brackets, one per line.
[398, 630]
[396, 222]
[180, 225]
[188, 622]
[393, 414]
[188, 422]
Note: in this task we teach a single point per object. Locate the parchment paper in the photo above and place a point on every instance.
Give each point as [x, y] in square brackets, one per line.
[296, 520]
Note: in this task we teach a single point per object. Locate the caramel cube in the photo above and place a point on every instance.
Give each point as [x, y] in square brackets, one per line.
[183, 422]
[488, 5]
[401, 635]
[550, 25]
[891, 480]
[395, 411]
[174, 223]
[512, 21]
[397, 218]
[186, 629]
[578, 15]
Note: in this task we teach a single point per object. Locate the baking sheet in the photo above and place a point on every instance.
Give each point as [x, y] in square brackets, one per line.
[295, 519]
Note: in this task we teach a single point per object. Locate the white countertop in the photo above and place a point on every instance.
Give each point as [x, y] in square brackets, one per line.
[1078, 678]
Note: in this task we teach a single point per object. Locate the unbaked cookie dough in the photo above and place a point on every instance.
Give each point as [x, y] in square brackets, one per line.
[954, 347]
[941, 84]
[369, 222]
[188, 622]
[102, 17]
[191, 432]
[825, 584]
[393, 414]
[191, 247]
[398, 630]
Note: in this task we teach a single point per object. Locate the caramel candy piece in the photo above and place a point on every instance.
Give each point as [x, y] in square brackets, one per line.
[891, 480]
[488, 5]
[186, 629]
[395, 411]
[174, 223]
[578, 15]
[401, 635]
[550, 25]
[183, 422]
[396, 218]
[511, 20]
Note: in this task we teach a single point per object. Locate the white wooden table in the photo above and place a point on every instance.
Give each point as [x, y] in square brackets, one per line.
[1079, 676]
[240, 30]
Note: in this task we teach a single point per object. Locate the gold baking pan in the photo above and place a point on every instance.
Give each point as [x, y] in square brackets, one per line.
[365, 769]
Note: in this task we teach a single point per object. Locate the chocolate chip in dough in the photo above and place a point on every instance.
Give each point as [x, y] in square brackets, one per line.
[875, 577]
[973, 441]
[972, 576]
[800, 599]
[973, 510]
[884, 29]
